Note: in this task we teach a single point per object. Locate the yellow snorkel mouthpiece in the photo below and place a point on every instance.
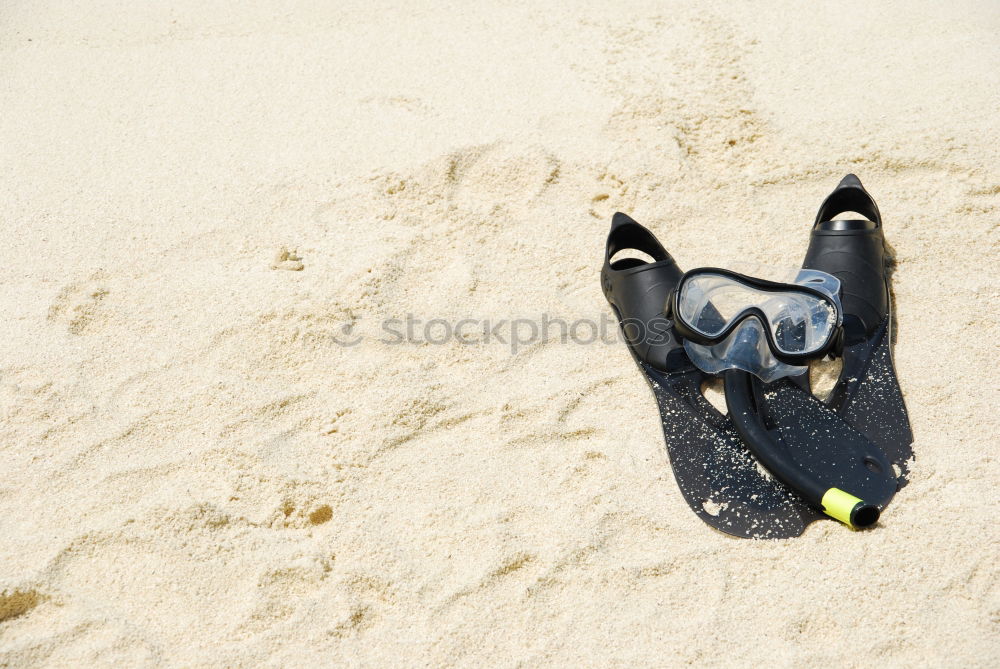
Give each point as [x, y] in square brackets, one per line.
[848, 509]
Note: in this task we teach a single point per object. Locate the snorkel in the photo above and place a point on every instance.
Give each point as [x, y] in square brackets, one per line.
[771, 453]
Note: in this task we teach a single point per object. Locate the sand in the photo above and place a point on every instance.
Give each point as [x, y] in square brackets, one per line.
[214, 453]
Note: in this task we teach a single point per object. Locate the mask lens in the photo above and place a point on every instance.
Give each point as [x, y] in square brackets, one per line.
[709, 302]
[800, 322]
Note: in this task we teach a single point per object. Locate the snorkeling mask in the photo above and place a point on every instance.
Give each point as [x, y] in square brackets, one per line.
[732, 321]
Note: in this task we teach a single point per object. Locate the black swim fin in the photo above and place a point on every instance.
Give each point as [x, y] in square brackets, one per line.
[873, 428]
[867, 393]
[718, 478]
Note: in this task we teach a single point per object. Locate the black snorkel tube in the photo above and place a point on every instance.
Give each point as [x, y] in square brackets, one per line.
[766, 447]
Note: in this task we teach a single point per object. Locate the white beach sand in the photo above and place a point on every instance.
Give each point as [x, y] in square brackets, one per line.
[197, 199]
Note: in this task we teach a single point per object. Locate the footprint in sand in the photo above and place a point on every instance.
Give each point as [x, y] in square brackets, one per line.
[78, 305]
